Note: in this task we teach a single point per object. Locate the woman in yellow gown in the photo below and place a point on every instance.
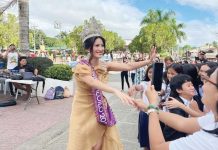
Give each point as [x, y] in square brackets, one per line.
[85, 132]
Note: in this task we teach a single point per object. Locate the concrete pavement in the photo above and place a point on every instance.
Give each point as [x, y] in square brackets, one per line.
[54, 135]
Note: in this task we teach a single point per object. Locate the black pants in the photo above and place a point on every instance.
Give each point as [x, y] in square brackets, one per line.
[124, 74]
[11, 88]
[133, 78]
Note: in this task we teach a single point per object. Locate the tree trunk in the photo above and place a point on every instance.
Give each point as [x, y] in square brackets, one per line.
[23, 7]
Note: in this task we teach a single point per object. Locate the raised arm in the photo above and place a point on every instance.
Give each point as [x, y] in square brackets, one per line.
[182, 124]
[114, 66]
[6, 54]
[90, 81]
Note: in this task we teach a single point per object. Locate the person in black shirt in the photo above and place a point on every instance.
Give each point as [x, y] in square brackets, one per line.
[24, 67]
[202, 57]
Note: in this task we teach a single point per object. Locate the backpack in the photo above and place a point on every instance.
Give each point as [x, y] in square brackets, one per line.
[50, 94]
[66, 92]
[59, 92]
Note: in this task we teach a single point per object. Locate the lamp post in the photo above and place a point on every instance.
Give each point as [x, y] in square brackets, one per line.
[34, 38]
[57, 25]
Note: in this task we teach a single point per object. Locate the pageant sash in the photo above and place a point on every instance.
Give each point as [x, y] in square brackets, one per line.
[104, 114]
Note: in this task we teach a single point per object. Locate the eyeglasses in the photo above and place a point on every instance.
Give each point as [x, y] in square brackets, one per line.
[207, 79]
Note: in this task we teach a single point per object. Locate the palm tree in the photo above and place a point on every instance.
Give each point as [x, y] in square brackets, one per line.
[158, 17]
[177, 29]
[23, 6]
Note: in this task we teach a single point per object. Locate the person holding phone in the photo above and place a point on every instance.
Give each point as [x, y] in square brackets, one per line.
[143, 137]
[172, 70]
[12, 57]
[203, 131]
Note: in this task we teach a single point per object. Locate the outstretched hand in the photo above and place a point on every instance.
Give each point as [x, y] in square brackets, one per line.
[124, 97]
[140, 105]
[153, 53]
[132, 91]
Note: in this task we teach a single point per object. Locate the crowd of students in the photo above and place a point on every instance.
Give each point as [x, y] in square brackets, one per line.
[181, 94]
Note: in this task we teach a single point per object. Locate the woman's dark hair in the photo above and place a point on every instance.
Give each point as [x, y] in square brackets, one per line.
[211, 64]
[146, 73]
[89, 43]
[198, 66]
[209, 72]
[177, 67]
[177, 82]
[191, 70]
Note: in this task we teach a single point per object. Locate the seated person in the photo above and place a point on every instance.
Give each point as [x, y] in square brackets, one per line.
[24, 67]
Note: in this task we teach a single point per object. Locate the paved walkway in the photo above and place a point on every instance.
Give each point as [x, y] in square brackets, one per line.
[45, 126]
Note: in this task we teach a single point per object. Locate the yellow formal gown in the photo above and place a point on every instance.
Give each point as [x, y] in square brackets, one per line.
[85, 131]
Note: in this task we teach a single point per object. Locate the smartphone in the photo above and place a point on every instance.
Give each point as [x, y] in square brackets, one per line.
[157, 77]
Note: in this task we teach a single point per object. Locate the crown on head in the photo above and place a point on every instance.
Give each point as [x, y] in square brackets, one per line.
[90, 29]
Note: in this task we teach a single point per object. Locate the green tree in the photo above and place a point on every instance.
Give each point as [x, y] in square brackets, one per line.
[113, 40]
[52, 42]
[75, 40]
[136, 45]
[64, 39]
[40, 38]
[8, 30]
[159, 28]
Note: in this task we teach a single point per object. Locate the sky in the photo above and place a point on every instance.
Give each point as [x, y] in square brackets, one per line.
[124, 16]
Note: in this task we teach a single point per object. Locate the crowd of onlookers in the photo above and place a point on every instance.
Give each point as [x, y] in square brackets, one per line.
[181, 91]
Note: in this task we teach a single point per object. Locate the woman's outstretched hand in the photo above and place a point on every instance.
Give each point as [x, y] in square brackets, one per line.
[132, 91]
[124, 97]
[140, 105]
